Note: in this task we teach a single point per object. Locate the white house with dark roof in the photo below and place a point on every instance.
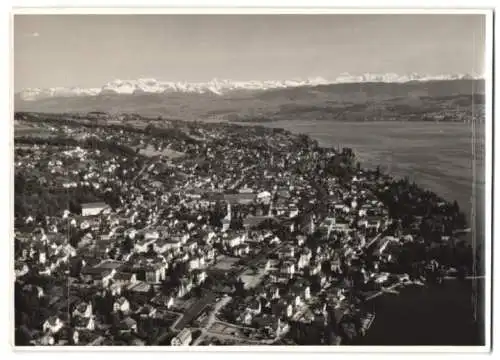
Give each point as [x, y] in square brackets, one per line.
[82, 323]
[125, 278]
[52, 325]
[94, 208]
[127, 325]
[184, 338]
[83, 310]
[121, 304]
[288, 268]
[100, 276]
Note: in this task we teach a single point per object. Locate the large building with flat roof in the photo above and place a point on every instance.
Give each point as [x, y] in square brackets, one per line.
[93, 208]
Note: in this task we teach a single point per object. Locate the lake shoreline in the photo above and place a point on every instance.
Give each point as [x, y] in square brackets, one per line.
[436, 155]
[433, 314]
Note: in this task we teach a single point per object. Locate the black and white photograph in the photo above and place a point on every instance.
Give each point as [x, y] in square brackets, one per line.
[253, 179]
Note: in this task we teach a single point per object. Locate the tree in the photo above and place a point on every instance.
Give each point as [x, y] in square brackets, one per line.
[315, 284]
[198, 292]
[151, 292]
[22, 336]
[151, 250]
[128, 245]
[75, 267]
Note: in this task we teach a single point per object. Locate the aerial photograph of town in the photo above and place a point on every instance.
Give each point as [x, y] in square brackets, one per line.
[286, 180]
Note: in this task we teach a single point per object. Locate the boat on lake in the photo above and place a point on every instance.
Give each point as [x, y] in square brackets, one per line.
[390, 291]
[366, 322]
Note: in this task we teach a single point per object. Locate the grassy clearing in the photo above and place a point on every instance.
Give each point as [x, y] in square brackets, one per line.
[150, 151]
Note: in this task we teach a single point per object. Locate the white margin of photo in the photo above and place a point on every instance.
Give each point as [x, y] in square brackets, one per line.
[250, 7]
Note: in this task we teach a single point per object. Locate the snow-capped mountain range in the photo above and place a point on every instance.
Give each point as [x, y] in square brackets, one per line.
[220, 87]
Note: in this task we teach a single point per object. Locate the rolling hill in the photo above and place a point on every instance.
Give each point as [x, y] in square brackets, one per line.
[336, 101]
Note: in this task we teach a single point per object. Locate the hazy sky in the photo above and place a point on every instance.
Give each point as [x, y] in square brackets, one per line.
[90, 50]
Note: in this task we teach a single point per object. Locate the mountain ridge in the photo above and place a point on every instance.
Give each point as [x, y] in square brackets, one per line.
[342, 101]
[222, 87]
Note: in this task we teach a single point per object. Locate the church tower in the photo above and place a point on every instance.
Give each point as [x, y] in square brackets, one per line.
[226, 222]
[312, 227]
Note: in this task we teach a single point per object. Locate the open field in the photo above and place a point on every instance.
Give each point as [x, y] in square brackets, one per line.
[225, 263]
[251, 279]
[27, 129]
[194, 310]
[150, 151]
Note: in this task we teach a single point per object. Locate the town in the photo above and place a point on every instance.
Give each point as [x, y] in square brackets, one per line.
[161, 232]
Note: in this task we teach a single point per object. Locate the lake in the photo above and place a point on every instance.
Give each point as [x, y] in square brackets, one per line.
[437, 156]
[451, 314]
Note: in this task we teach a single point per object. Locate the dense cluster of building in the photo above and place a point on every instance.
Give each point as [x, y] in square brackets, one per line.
[225, 235]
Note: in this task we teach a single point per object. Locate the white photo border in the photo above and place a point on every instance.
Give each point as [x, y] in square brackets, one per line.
[250, 9]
